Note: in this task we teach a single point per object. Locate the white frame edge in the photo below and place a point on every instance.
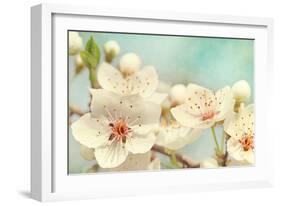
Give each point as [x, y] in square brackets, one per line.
[41, 76]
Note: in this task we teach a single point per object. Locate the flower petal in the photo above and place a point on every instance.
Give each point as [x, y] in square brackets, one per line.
[225, 102]
[237, 153]
[247, 118]
[135, 162]
[184, 117]
[249, 156]
[141, 112]
[89, 131]
[145, 82]
[111, 155]
[135, 109]
[140, 143]
[111, 79]
[234, 149]
[176, 138]
[236, 125]
[199, 99]
[157, 97]
[144, 129]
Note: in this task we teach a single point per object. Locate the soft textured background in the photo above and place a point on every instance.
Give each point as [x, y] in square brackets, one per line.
[210, 62]
[15, 102]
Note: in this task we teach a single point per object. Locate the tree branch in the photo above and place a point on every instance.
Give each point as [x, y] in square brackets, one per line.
[186, 161]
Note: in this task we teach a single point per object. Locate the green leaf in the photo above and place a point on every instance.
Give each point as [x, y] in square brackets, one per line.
[93, 49]
[91, 57]
[89, 44]
[88, 59]
[96, 52]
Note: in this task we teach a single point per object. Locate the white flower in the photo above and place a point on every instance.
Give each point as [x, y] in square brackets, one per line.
[178, 94]
[241, 91]
[129, 64]
[136, 162]
[143, 82]
[116, 126]
[112, 48]
[240, 127]
[175, 136]
[209, 163]
[203, 108]
[75, 43]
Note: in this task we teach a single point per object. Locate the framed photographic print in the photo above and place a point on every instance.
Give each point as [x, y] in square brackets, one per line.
[134, 102]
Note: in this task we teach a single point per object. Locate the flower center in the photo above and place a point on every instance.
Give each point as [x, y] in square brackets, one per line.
[120, 130]
[208, 115]
[247, 142]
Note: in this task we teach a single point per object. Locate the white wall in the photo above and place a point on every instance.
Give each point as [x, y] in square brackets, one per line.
[15, 95]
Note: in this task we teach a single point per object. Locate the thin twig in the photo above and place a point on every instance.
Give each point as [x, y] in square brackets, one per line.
[187, 162]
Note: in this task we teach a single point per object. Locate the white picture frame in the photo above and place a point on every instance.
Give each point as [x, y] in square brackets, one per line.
[49, 179]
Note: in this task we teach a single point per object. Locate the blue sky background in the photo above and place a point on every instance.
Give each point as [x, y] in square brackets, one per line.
[210, 62]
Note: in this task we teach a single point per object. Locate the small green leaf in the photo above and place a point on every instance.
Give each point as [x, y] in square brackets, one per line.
[89, 44]
[93, 49]
[96, 52]
[91, 57]
[88, 59]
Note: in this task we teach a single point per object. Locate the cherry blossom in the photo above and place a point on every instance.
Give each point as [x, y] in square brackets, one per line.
[144, 82]
[203, 107]
[240, 127]
[116, 126]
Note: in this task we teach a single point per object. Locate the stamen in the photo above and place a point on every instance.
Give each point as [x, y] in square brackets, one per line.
[208, 115]
[247, 142]
[120, 130]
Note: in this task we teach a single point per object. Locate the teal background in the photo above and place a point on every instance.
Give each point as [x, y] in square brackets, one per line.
[209, 62]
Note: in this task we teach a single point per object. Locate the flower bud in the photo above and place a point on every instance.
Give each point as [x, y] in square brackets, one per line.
[79, 65]
[75, 43]
[209, 163]
[178, 94]
[129, 64]
[241, 91]
[111, 49]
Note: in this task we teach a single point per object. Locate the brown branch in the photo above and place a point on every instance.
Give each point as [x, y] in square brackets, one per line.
[186, 161]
